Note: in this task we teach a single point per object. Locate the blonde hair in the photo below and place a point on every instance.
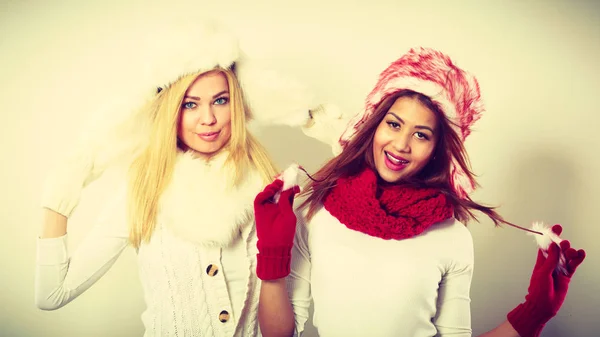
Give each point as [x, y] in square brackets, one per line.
[150, 172]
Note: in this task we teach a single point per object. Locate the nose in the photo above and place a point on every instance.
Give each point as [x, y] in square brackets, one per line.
[401, 143]
[207, 116]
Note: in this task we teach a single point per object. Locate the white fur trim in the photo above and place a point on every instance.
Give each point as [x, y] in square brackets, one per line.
[427, 88]
[197, 205]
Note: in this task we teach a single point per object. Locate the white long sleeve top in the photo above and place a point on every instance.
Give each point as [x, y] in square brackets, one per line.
[198, 275]
[366, 286]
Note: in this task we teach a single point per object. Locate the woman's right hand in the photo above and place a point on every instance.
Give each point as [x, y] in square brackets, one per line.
[275, 228]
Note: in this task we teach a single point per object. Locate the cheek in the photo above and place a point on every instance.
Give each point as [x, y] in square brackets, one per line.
[379, 140]
[426, 153]
[223, 115]
[187, 121]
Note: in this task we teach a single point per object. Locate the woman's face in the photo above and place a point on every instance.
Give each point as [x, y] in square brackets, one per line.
[405, 140]
[205, 115]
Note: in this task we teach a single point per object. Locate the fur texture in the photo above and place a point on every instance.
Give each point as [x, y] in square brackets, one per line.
[186, 46]
[326, 125]
[116, 132]
[433, 74]
[290, 179]
[543, 241]
[198, 205]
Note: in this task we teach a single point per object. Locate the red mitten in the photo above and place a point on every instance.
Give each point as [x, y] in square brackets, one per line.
[275, 228]
[547, 288]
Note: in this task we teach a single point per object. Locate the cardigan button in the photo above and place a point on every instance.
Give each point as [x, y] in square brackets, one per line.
[212, 270]
[224, 316]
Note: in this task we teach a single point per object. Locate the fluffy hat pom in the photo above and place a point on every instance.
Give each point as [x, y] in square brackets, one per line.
[289, 178]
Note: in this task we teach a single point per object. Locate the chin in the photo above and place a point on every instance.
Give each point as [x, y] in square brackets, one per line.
[389, 177]
[392, 177]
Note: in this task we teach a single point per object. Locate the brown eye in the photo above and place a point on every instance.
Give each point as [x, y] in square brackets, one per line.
[393, 125]
[421, 135]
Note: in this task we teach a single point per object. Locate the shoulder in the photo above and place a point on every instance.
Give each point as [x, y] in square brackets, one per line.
[454, 239]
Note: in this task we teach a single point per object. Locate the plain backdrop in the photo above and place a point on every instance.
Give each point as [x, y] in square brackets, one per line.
[535, 149]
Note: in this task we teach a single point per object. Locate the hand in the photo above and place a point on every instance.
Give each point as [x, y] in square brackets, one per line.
[275, 228]
[573, 258]
[547, 288]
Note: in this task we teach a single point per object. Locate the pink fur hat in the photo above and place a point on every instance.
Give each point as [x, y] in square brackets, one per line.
[431, 73]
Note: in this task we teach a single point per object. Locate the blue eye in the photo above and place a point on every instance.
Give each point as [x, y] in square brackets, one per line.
[221, 100]
[189, 105]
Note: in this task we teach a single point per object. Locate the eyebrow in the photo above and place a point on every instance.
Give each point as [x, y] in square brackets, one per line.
[423, 127]
[214, 96]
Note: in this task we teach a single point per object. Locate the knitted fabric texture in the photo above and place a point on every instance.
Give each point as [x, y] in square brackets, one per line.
[391, 212]
[433, 74]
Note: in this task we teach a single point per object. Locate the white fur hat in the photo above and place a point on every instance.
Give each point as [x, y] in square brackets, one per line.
[118, 130]
[193, 46]
[190, 46]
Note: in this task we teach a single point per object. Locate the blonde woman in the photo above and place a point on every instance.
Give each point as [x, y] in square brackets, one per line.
[192, 157]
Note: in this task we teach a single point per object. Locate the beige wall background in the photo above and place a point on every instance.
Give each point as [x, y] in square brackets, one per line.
[535, 149]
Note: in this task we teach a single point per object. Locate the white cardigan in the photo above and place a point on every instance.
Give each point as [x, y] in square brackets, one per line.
[367, 286]
[184, 296]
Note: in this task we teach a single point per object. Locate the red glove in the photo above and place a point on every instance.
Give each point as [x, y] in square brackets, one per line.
[547, 288]
[275, 228]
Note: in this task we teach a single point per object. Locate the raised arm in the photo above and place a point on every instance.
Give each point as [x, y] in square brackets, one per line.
[275, 226]
[60, 277]
[547, 291]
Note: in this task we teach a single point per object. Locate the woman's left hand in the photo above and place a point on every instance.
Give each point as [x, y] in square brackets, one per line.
[547, 288]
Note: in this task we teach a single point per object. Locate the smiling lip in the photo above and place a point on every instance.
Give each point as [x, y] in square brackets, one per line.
[393, 165]
[208, 136]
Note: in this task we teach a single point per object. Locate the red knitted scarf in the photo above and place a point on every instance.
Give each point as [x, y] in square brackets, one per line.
[391, 212]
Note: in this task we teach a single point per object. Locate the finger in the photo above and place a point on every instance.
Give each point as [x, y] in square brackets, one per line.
[287, 199]
[565, 245]
[268, 192]
[575, 262]
[557, 229]
[571, 254]
[552, 259]
[294, 190]
[540, 260]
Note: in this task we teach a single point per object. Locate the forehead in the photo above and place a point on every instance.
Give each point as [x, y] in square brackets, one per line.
[413, 111]
[207, 85]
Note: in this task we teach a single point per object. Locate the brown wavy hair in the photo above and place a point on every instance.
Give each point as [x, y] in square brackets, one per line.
[358, 154]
